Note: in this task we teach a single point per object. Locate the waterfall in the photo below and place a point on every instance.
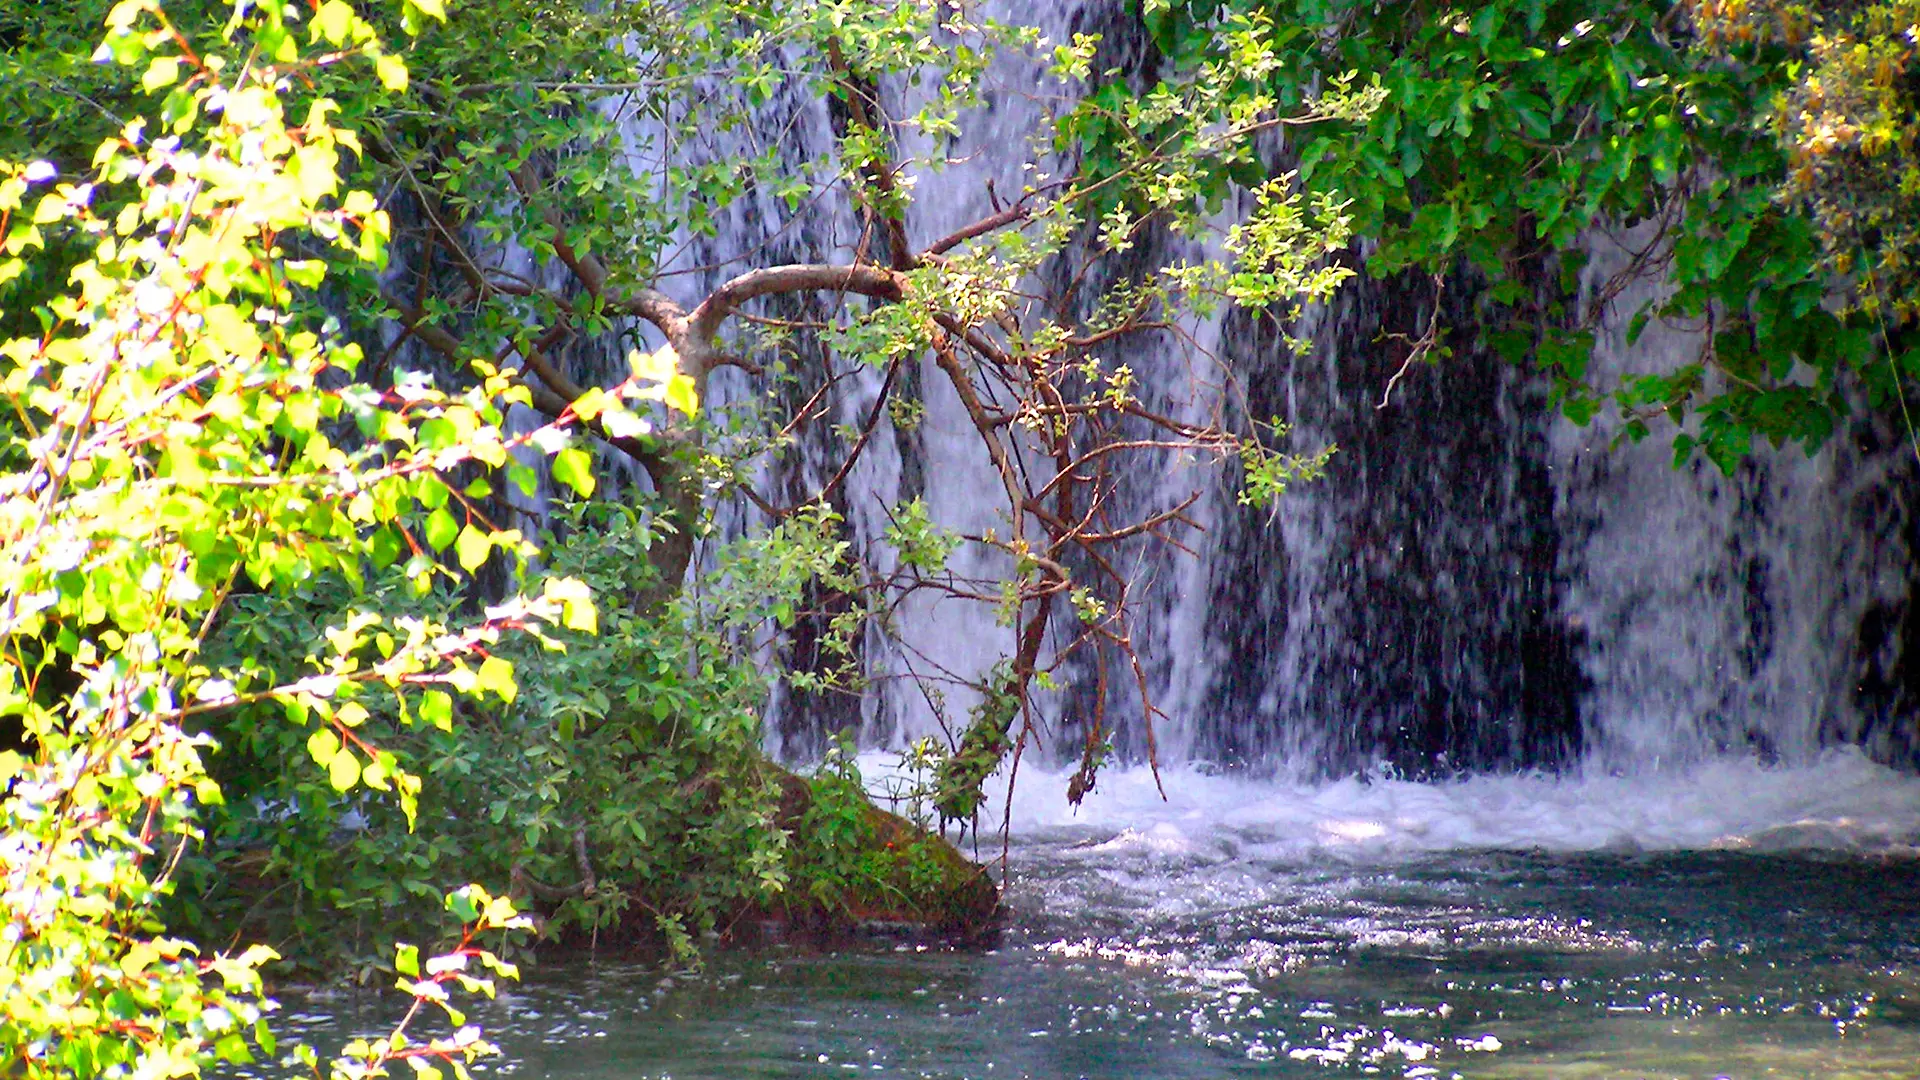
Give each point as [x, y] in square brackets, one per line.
[1743, 612]
[1478, 585]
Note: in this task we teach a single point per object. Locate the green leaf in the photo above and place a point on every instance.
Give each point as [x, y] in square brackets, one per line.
[473, 547]
[574, 468]
[232, 1048]
[1683, 444]
[1508, 292]
[437, 433]
[385, 547]
[1512, 345]
[431, 491]
[463, 903]
[441, 529]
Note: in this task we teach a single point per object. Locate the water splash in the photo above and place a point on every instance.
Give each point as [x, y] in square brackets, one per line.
[1840, 802]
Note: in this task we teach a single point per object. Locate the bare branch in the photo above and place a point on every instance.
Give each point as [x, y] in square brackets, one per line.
[1417, 348]
[1178, 513]
[1066, 475]
[1010, 216]
[536, 360]
[867, 280]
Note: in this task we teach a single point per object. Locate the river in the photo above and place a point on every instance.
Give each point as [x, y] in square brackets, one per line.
[1738, 921]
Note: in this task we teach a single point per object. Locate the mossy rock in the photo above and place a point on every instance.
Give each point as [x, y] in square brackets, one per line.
[880, 875]
[906, 877]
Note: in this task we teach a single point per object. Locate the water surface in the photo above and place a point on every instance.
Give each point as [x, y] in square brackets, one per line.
[1757, 923]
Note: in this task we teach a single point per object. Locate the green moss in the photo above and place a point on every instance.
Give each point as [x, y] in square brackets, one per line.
[856, 863]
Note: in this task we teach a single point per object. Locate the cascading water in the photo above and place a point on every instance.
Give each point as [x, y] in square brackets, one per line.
[1742, 613]
[1477, 585]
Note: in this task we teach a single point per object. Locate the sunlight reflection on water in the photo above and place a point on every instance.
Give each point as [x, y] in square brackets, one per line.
[1766, 925]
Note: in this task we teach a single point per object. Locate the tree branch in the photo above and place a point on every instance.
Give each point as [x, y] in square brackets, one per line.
[1011, 215]
[867, 280]
[430, 334]
[654, 306]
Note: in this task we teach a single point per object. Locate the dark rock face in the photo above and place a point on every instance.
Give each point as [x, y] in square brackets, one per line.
[1886, 648]
[1888, 694]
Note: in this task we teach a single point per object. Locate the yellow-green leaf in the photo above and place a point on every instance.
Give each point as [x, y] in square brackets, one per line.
[680, 394]
[576, 604]
[343, 771]
[163, 72]
[232, 332]
[392, 72]
[436, 708]
[324, 745]
[591, 403]
[496, 675]
[333, 21]
[472, 547]
[657, 366]
[621, 422]
[441, 529]
[574, 468]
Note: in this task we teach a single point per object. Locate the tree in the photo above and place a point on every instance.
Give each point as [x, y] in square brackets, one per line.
[1846, 121]
[174, 433]
[1023, 359]
[596, 173]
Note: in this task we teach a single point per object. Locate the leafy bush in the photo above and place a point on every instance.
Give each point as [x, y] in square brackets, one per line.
[1764, 147]
[173, 439]
[625, 773]
[621, 790]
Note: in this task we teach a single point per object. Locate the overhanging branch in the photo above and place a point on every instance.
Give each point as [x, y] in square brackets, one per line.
[866, 280]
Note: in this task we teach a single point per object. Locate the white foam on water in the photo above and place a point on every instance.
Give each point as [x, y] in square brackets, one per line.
[1841, 802]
